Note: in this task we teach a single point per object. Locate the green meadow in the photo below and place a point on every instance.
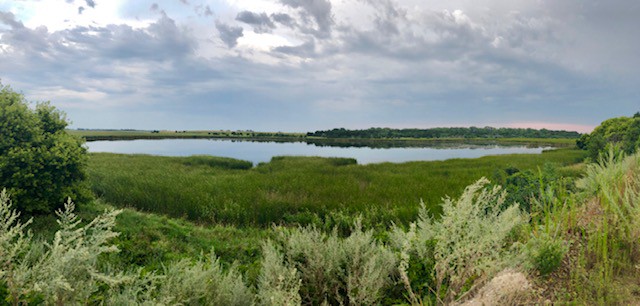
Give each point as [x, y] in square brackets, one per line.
[296, 190]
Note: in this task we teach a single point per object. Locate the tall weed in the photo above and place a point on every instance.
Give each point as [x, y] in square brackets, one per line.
[610, 227]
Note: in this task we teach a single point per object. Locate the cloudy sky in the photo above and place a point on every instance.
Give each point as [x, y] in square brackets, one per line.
[303, 65]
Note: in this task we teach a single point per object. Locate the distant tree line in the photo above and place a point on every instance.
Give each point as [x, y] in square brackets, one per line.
[453, 132]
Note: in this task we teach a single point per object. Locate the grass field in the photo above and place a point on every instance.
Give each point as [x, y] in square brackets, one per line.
[294, 190]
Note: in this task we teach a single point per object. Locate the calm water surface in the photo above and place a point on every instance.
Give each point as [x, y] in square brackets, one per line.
[257, 152]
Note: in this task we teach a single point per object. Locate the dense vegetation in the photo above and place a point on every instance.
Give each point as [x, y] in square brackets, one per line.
[296, 190]
[578, 247]
[40, 163]
[452, 132]
[438, 142]
[620, 132]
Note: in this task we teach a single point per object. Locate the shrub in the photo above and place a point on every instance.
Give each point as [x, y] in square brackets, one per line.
[68, 270]
[278, 284]
[60, 272]
[331, 270]
[203, 282]
[466, 245]
[545, 253]
[40, 164]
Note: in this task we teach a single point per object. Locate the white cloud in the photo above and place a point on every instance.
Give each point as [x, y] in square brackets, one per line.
[387, 60]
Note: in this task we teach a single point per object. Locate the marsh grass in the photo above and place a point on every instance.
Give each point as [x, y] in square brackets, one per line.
[293, 190]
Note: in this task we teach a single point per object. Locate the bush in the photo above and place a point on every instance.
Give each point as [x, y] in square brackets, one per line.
[40, 164]
[69, 269]
[466, 245]
[331, 270]
[62, 271]
[545, 253]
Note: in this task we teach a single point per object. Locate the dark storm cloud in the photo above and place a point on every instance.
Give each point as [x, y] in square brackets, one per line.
[318, 10]
[261, 22]
[229, 34]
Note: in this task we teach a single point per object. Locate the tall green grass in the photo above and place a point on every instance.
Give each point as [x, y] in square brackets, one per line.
[608, 248]
[293, 190]
[585, 243]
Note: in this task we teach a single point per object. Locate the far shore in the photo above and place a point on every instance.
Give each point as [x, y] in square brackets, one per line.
[102, 135]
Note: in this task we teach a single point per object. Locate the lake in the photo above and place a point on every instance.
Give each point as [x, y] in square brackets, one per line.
[257, 152]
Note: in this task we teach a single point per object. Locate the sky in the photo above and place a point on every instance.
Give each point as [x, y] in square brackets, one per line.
[306, 65]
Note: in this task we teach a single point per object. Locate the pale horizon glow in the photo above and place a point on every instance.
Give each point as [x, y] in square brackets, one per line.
[552, 126]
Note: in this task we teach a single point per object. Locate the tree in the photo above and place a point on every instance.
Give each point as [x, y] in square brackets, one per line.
[40, 163]
[621, 132]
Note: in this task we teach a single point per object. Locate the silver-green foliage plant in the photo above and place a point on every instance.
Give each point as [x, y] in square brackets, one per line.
[67, 270]
[278, 284]
[467, 241]
[203, 282]
[331, 270]
[61, 272]
[185, 282]
[13, 242]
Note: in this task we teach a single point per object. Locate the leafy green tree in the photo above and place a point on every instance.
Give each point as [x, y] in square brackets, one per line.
[583, 141]
[40, 163]
[622, 132]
